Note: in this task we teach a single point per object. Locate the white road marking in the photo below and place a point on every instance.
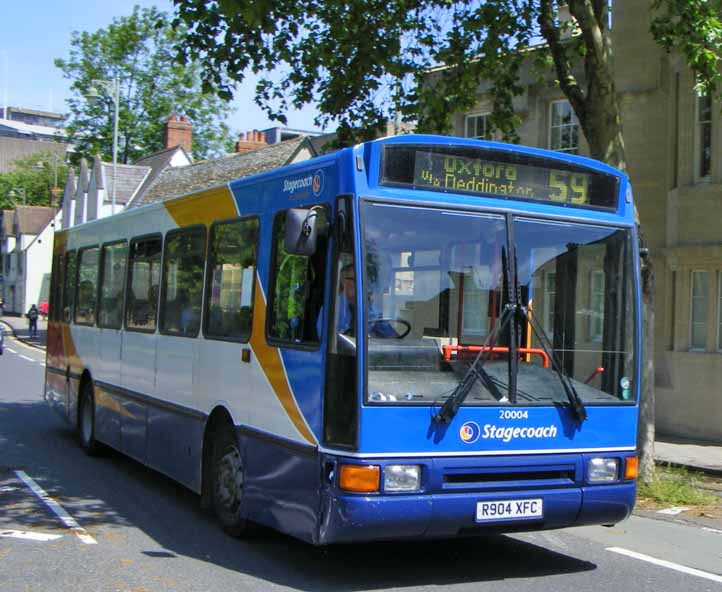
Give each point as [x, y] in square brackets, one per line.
[57, 509]
[714, 530]
[11, 350]
[31, 536]
[7, 489]
[668, 564]
[25, 358]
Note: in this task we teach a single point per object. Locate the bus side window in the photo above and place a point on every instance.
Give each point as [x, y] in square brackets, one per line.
[143, 283]
[87, 286]
[297, 287]
[232, 252]
[182, 287]
[69, 287]
[112, 284]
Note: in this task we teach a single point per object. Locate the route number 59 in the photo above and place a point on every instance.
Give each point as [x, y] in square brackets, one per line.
[569, 187]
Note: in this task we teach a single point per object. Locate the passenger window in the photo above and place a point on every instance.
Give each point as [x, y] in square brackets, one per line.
[87, 286]
[298, 286]
[232, 254]
[56, 290]
[182, 289]
[69, 287]
[112, 284]
[143, 283]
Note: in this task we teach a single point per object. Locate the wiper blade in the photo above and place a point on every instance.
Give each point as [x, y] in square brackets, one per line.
[575, 401]
[476, 371]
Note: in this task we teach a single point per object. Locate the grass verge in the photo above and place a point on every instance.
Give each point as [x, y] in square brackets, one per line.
[679, 487]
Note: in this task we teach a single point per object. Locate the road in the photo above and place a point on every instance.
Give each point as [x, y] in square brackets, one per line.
[73, 523]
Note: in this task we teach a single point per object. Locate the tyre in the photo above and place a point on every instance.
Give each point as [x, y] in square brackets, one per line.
[86, 420]
[228, 471]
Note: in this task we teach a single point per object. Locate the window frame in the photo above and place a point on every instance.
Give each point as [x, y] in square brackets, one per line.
[66, 257]
[163, 289]
[79, 259]
[698, 149]
[101, 281]
[575, 122]
[208, 278]
[270, 298]
[128, 278]
[596, 273]
[482, 114]
[692, 348]
[719, 311]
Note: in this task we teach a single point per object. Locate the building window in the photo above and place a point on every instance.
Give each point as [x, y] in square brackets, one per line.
[477, 126]
[719, 313]
[704, 126]
[564, 128]
[698, 317]
[596, 327]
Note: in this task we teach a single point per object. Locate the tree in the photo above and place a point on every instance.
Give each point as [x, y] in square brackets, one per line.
[35, 175]
[365, 61]
[138, 50]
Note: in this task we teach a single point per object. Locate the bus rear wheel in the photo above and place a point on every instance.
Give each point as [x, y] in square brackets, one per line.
[228, 478]
[86, 420]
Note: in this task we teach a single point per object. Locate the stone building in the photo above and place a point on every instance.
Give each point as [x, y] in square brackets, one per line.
[673, 139]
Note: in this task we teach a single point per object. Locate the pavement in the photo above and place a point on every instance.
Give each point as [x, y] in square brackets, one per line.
[695, 455]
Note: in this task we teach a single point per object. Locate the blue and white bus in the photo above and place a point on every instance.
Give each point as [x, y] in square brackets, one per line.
[415, 337]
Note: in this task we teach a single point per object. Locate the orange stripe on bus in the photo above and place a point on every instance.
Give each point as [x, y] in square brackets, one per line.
[203, 208]
[270, 360]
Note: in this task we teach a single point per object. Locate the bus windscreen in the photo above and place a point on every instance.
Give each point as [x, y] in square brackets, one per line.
[498, 174]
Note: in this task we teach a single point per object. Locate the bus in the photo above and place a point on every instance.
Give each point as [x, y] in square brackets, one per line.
[415, 337]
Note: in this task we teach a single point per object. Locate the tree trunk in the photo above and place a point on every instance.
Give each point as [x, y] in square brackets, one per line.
[645, 431]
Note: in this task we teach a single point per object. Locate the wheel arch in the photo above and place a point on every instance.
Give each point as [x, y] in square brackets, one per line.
[218, 417]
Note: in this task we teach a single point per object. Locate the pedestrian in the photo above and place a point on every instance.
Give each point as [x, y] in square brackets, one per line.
[33, 321]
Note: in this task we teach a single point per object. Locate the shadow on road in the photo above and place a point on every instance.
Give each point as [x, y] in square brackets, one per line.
[110, 494]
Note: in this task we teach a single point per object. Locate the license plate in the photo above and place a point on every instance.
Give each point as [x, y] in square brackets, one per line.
[509, 509]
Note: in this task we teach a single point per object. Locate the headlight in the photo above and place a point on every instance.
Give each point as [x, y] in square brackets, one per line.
[402, 477]
[603, 470]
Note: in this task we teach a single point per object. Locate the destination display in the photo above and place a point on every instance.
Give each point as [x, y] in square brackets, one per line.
[483, 172]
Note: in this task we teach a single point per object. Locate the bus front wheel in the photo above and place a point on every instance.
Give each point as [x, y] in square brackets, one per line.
[86, 420]
[228, 477]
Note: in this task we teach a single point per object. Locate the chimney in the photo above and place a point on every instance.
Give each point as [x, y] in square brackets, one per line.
[250, 141]
[178, 132]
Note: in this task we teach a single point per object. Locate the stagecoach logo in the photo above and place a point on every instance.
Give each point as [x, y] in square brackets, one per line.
[469, 432]
[300, 184]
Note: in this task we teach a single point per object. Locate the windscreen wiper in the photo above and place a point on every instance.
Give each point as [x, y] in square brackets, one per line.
[476, 369]
[512, 311]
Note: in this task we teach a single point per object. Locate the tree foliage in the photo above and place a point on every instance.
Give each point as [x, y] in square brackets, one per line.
[35, 175]
[362, 62]
[138, 50]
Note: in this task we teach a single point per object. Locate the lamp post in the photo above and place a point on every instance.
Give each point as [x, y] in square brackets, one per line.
[111, 88]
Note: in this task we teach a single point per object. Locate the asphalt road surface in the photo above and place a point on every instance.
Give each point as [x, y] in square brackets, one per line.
[73, 523]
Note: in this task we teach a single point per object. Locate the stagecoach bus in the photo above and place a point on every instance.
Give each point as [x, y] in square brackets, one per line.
[415, 337]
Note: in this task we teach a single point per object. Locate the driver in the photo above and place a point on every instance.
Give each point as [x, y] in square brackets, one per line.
[347, 309]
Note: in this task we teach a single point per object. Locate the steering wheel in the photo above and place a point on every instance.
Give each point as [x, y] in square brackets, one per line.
[398, 334]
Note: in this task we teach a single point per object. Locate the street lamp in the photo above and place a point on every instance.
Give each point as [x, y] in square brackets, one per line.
[111, 88]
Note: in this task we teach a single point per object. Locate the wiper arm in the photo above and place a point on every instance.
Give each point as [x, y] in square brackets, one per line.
[575, 401]
[476, 370]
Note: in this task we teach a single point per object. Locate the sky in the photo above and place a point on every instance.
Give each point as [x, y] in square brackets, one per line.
[35, 32]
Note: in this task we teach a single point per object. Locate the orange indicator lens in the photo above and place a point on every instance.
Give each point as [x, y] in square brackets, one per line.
[359, 478]
[630, 467]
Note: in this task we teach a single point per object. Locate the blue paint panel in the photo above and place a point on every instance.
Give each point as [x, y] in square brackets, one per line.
[306, 376]
[607, 504]
[175, 445]
[281, 487]
[407, 429]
